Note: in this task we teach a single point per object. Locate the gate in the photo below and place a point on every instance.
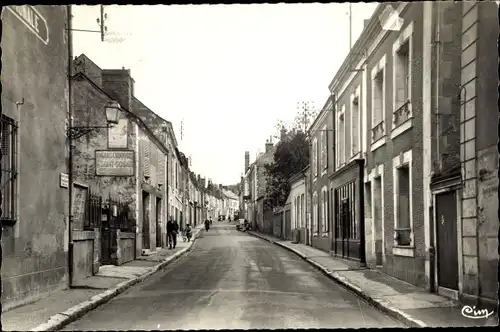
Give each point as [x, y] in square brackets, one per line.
[115, 216]
[447, 242]
[346, 240]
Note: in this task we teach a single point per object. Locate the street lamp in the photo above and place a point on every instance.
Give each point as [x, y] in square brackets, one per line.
[112, 110]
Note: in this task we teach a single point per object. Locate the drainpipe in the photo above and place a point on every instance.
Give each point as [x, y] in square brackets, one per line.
[70, 157]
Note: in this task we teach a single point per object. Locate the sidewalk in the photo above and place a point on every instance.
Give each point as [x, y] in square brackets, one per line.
[409, 304]
[62, 308]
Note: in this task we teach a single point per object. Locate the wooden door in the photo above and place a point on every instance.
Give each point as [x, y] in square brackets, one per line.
[447, 242]
[145, 220]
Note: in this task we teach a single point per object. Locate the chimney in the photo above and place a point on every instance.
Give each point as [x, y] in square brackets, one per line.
[119, 85]
[204, 182]
[269, 144]
[247, 160]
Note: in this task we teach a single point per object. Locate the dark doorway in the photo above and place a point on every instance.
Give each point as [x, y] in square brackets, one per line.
[447, 242]
[158, 222]
[146, 198]
[346, 242]
[377, 219]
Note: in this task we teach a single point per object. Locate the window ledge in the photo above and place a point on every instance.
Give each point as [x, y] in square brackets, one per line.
[406, 251]
[324, 172]
[405, 126]
[325, 234]
[378, 144]
[315, 234]
[355, 156]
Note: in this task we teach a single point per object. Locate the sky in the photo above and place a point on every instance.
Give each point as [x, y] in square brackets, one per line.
[223, 73]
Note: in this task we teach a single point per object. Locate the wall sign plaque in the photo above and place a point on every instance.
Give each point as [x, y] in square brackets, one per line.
[114, 163]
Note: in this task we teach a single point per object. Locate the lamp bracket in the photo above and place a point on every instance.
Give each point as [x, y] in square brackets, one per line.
[77, 132]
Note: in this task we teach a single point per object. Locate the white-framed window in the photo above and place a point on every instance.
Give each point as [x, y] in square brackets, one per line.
[324, 149]
[340, 137]
[402, 54]
[314, 162]
[324, 211]
[403, 219]
[9, 170]
[315, 214]
[378, 76]
[355, 129]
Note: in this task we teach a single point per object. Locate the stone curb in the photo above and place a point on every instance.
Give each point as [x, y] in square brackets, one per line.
[377, 303]
[60, 320]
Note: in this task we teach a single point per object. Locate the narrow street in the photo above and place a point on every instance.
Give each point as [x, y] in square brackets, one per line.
[233, 280]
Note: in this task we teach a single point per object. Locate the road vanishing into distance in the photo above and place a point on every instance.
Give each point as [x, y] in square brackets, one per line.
[233, 280]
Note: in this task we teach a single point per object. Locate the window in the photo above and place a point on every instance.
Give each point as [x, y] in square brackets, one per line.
[401, 76]
[378, 100]
[9, 169]
[325, 223]
[324, 149]
[314, 163]
[355, 123]
[403, 221]
[302, 211]
[340, 137]
[315, 213]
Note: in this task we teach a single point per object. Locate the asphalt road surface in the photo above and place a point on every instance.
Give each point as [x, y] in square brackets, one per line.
[234, 280]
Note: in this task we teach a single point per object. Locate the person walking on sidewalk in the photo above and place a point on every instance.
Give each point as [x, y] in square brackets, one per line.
[170, 229]
[175, 231]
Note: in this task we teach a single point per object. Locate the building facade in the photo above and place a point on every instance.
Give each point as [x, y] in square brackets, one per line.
[298, 206]
[406, 100]
[320, 152]
[124, 165]
[34, 110]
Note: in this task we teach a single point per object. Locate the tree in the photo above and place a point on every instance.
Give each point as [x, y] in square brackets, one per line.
[291, 157]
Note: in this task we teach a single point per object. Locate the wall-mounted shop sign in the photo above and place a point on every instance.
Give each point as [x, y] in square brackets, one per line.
[33, 20]
[114, 163]
[64, 180]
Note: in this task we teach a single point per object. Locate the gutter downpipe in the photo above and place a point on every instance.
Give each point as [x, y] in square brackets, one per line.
[70, 157]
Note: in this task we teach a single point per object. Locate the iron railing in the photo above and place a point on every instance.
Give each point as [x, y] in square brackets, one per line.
[93, 211]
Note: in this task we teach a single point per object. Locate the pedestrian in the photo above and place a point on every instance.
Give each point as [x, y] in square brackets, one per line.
[175, 232]
[207, 224]
[170, 231]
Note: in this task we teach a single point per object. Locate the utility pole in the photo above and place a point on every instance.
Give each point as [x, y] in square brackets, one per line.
[305, 113]
[104, 17]
[350, 26]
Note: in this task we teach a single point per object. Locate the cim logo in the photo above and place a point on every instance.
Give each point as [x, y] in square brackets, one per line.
[33, 20]
[472, 312]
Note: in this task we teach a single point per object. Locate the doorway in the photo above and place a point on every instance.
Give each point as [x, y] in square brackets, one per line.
[447, 240]
[378, 219]
[158, 222]
[146, 198]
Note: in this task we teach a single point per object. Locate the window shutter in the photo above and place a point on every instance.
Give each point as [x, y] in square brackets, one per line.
[161, 168]
[146, 157]
[355, 128]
